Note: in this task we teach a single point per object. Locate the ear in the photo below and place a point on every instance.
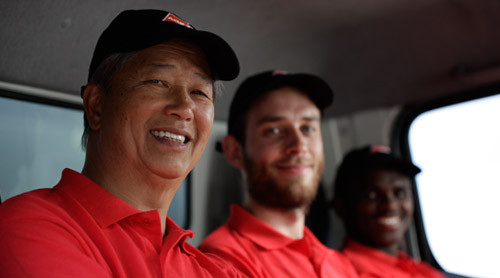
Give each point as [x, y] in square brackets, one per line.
[233, 151]
[93, 96]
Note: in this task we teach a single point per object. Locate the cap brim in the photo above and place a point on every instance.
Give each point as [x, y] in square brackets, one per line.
[220, 55]
[122, 37]
[317, 89]
[399, 165]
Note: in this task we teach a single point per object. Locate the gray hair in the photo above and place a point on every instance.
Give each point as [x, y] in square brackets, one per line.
[103, 76]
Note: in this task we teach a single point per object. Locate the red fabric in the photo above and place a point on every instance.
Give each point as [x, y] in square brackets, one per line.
[77, 229]
[258, 250]
[371, 262]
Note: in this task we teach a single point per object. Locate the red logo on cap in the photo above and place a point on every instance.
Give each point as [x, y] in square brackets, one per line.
[380, 149]
[280, 72]
[177, 20]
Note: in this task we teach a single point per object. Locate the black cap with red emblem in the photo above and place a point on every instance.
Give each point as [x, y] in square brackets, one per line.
[133, 30]
[358, 162]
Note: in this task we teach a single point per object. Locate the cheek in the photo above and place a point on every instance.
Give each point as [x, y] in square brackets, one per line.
[317, 145]
[317, 150]
[408, 207]
[130, 111]
[261, 152]
[366, 208]
[360, 215]
[204, 121]
[113, 114]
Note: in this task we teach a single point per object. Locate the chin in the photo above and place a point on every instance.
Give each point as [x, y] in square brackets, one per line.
[389, 240]
[170, 172]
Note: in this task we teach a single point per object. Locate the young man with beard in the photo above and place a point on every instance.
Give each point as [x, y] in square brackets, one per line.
[149, 109]
[373, 196]
[274, 139]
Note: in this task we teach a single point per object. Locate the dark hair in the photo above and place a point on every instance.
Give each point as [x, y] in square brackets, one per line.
[237, 124]
[103, 76]
[237, 121]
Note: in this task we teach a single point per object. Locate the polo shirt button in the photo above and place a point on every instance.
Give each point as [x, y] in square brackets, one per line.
[147, 222]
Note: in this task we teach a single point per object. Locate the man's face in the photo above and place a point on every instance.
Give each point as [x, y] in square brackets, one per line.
[382, 209]
[159, 114]
[283, 152]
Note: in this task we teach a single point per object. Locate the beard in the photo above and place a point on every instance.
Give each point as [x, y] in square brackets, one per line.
[274, 191]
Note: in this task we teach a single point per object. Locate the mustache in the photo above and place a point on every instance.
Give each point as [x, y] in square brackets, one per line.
[295, 160]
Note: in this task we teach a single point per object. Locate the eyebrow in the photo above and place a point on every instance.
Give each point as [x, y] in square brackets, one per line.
[162, 65]
[200, 75]
[271, 119]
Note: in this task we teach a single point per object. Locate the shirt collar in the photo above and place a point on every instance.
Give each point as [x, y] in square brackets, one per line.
[108, 209]
[104, 207]
[373, 252]
[259, 232]
[177, 235]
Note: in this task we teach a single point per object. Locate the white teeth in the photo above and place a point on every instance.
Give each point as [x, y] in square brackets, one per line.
[389, 221]
[169, 136]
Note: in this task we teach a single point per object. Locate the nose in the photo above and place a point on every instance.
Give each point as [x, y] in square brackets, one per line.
[180, 105]
[389, 202]
[296, 142]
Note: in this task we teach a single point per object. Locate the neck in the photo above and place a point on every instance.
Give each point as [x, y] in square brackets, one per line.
[391, 250]
[145, 192]
[288, 222]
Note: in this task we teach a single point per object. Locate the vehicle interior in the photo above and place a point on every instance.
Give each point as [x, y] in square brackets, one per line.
[396, 67]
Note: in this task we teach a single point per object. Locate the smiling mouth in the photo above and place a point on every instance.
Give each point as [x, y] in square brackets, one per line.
[297, 170]
[165, 135]
[389, 221]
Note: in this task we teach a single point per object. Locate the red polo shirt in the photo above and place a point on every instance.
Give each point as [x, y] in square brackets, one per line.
[78, 229]
[258, 250]
[371, 262]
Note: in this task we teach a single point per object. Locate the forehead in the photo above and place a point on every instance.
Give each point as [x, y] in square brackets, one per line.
[173, 54]
[286, 103]
[386, 178]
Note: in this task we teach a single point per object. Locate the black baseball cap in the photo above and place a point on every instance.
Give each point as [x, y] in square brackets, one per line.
[358, 162]
[256, 85]
[133, 30]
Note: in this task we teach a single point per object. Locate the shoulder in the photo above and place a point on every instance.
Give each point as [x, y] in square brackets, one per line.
[36, 214]
[221, 237]
[228, 245]
[341, 264]
[37, 230]
[27, 204]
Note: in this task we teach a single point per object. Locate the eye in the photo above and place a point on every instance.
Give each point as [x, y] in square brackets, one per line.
[272, 131]
[157, 82]
[371, 195]
[200, 93]
[308, 129]
[401, 194]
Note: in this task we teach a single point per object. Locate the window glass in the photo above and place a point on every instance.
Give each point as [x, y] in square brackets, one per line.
[179, 208]
[39, 140]
[458, 149]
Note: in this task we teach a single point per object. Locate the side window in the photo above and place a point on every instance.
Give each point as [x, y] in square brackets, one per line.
[458, 148]
[41, 135]
[38, 141]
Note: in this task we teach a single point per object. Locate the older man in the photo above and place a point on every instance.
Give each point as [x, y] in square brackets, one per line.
[149, 108]
[275, 140]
